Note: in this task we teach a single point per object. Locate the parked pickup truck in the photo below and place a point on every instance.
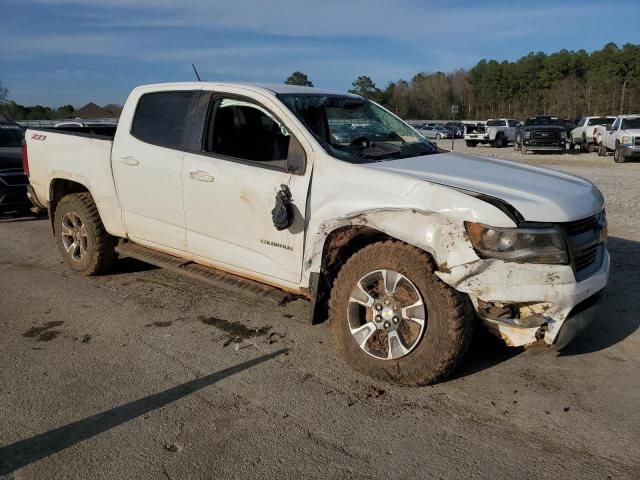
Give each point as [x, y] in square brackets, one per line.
[584, 134]
[496, 132]
[400, 244]
[541, 133]
[623, 138]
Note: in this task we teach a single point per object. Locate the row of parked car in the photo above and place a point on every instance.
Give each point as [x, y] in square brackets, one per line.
[620, 135]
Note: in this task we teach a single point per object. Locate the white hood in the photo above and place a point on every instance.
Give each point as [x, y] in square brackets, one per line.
[539, 194]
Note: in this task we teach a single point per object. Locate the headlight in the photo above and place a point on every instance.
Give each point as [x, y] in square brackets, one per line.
[527, 134]
[626, 140]
[525, 245]
[563, 134]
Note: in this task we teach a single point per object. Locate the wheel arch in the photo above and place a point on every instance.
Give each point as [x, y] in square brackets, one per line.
[59, 188]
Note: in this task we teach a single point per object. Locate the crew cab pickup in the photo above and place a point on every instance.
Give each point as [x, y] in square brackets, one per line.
[400, 244]
[584, 134]
[623, 138]
[497, 132]
[541, 133]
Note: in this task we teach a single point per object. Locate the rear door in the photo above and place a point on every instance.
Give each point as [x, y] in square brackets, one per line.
[230, 189]
[147, 160]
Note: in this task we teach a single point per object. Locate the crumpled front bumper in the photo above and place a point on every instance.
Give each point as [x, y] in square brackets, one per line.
[550, 290]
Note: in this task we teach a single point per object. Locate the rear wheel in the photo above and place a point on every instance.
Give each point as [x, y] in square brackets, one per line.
[602, 150]
[499, 142]
[81, 237]
[591, 147]
[392, 318]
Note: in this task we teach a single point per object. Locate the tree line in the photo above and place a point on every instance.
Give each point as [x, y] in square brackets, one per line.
[569, 84]
[17, 112]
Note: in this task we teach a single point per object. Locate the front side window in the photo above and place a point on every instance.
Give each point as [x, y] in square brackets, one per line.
[356, 130]
[160, 118]
[616, 124]
[247, 131]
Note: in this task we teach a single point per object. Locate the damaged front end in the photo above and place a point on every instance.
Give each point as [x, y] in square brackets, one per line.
[538, 288]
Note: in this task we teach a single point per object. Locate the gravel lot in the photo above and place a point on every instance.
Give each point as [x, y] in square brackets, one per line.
[136, 375]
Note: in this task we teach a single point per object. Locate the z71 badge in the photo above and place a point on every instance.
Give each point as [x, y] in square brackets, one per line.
[37, 136]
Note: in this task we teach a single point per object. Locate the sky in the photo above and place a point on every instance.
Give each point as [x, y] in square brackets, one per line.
[57, 52]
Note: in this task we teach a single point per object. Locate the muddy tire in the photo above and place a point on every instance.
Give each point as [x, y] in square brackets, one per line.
[591, 147]
[433, 322]
[81, 237]
[499, 142]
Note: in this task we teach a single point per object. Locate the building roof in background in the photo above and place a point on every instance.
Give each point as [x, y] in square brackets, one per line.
[91, 110]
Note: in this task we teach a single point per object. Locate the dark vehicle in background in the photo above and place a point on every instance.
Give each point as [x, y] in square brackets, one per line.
[541, 133]
[13, 181]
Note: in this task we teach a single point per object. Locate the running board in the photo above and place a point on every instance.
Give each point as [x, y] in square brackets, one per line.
[206, 274]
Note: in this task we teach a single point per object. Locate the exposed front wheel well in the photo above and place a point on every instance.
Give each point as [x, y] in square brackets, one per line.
[58, 189]
[339, 246]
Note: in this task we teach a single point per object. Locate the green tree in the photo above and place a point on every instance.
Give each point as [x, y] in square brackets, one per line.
[299, 78]
[4, 94]
[365, 87]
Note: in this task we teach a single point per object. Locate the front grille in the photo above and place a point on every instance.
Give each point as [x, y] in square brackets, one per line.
[586, 238]
[579, 226]
[637, 141]
[14, 177]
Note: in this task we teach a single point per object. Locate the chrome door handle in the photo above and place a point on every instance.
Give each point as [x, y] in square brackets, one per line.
[129, 160]
[201, 176]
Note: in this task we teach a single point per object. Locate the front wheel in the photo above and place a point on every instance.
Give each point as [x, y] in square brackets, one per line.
[438, 136]
[393, 319]
[83, 242]
[617, 155]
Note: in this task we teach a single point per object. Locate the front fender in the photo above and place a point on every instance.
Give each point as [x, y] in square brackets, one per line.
[444, 238]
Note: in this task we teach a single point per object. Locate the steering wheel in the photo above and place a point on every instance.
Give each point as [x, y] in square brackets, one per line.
[361, 141]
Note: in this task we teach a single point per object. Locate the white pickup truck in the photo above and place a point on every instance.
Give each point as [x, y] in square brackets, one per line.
[497, 132]
[584, 134]
[400, 244]
[623, 137]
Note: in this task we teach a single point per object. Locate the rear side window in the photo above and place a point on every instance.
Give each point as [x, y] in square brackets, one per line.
[160, 118]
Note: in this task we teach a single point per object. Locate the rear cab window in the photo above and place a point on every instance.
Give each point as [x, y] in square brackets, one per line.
[161, 117]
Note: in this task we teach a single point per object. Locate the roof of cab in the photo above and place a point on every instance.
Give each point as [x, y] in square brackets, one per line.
[270, 88]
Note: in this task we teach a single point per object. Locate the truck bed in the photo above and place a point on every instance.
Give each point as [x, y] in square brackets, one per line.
[76, 156]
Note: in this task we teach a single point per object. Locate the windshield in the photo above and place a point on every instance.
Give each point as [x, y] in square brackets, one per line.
[630, 123]
[600, 121]
[11, 137]
[542, 121]
[356, 130]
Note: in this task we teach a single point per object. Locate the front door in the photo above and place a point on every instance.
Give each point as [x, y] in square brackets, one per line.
[147, 167]
[230, 190]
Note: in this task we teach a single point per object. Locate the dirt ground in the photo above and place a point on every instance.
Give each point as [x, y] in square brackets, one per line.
[137, 375]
